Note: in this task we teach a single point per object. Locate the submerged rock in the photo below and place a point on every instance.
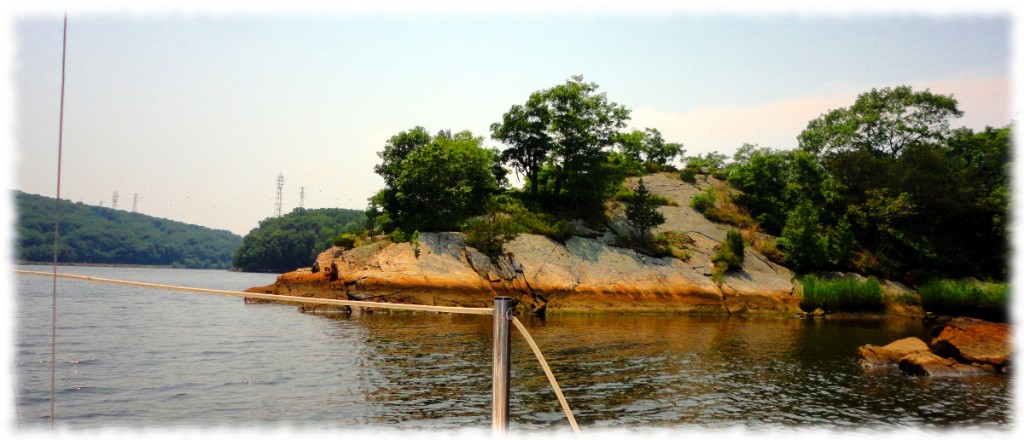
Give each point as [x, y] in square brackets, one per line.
[872, 357]
[963, 347]
[930, 364]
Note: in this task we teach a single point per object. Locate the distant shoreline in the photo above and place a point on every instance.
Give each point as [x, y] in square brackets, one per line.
[143, 266]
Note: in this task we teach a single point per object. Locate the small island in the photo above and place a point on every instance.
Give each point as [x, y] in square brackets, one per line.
[881, 209]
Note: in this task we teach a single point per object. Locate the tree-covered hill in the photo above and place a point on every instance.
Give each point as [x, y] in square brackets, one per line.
[98, 235]
[281, 244]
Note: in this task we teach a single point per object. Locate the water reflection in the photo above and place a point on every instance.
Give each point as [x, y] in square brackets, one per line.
[662, 371]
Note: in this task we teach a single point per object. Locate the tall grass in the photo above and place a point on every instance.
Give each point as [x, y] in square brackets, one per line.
[841, 294]
[966, 298]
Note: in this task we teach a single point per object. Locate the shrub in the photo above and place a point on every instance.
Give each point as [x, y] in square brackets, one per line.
[728, 256]
[346, 240]
[966, 298]
[672, 243]
[489, 232]
[688, 175]
[704, 201]
[841, 294]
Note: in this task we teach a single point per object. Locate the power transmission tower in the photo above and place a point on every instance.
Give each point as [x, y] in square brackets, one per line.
[277, 202]
[302, 197]
[135, 203]
[113, 205]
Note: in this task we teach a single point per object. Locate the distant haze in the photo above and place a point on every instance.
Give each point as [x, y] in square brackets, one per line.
[199, 113]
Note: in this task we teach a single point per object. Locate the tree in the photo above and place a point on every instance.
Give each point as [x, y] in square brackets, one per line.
[437, 185]
[882, 122]
[646, 149]
[642, 212]
[572, 125]
[523, 129]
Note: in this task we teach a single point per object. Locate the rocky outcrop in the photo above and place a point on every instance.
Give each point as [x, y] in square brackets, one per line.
[585, 273]
[963, 347]
[972, 340]
[581, 275]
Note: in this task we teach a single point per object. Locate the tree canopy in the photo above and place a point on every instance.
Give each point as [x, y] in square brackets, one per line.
[885, 187]
[293, 240]
[434, 183]
[560, 140]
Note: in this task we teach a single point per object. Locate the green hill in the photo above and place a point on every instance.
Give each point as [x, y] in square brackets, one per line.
[98, 235]
[281, 244]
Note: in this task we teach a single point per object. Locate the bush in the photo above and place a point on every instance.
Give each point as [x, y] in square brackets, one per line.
[687, 175]
[966, 298]
[728, 256]
[489, 232]
[346, 240]
[704, 201]
[672, 243]
[841, 294]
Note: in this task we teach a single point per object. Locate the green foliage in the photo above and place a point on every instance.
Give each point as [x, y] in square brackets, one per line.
[642, 211]
[489, 233]
[672, 243]
[728, 255]
[841, 294]
[704, 201]
[646, 151]
[435, 184]
[966, 298]
[802, 243]
[882, 122]
[885, 187]
[93, 234]
[571, 126]
[346, 240]
[281, 244]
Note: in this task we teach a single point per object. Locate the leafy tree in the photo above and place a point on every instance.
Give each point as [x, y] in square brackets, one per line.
[438, 185]
[882, 122]
[801, 242]
[647, 150]
[642, 212]
[574, 125]
[524, 130]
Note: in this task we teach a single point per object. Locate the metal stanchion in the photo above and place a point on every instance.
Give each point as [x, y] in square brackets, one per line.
[503, 308]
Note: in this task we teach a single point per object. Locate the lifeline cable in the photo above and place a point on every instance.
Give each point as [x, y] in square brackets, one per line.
[56, 230]
[342, 302]
[549, 374]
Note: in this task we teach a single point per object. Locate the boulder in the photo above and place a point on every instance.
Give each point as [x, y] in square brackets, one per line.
[872, 357]
[970, 340]
[929, 364]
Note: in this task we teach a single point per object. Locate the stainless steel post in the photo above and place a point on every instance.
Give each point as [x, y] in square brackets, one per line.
[503, 308]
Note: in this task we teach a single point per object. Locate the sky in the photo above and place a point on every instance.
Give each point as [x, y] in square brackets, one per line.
[197, 111]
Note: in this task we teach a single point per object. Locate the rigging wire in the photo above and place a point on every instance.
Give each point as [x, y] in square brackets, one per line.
[56, 231]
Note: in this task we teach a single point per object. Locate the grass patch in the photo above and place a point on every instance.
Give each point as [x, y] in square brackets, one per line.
[841, 294]
[966, 298]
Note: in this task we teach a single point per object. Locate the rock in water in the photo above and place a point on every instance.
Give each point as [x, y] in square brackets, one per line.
[872, 357]
[972, 340]
[929, 364]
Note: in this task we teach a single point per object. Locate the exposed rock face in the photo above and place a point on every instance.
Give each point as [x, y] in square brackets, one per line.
[964, 347]
[582, 275]
[972, 340]
[586, 273]
[871, 357]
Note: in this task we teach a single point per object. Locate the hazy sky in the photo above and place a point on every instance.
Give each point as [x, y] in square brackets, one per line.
[198, 113]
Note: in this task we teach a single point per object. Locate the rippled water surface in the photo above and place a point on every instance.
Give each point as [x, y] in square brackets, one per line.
[144, 358]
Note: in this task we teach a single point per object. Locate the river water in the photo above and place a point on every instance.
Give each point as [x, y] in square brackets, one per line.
[144, 359]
